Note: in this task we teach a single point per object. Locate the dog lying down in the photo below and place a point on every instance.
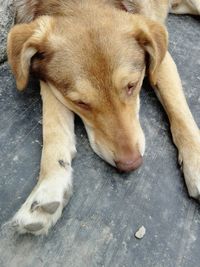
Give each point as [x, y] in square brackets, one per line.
[91, 57]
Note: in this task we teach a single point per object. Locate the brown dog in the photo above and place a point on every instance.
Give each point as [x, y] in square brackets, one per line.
[91, 57]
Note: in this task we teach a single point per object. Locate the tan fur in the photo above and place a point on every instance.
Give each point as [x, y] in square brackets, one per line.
[87, 60]
[28, 10]
[185, 7]
[91, 57]
[185, 132]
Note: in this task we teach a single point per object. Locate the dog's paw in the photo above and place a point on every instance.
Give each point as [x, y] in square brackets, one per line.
[43, 207]
[189, 160]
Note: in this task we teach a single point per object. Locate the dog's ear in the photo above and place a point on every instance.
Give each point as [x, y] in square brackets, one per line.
[24, 41]
[153, 37]
[20, 49]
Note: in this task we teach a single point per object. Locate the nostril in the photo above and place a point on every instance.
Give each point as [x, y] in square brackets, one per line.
[130, 164]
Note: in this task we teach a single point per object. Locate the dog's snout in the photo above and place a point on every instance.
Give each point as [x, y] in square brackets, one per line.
[127, 164]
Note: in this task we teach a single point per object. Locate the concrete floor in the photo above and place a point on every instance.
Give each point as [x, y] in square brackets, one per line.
[97, 228]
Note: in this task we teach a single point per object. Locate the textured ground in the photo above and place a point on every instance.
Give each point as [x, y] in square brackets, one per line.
[97, 228]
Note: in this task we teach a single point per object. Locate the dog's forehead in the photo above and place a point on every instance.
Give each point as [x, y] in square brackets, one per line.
[95, 50]
[101, 55]
[93, 37]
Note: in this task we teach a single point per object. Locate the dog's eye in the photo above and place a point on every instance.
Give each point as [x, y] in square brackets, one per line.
[131, 86]
[82, 104]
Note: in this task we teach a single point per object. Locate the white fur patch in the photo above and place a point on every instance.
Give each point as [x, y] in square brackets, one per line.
[101, 151]
[55, 189]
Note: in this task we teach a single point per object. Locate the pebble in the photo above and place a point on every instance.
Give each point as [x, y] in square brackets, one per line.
[140, 232]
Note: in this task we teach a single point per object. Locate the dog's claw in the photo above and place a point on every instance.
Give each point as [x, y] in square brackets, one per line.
[33, 227]
[50, 207]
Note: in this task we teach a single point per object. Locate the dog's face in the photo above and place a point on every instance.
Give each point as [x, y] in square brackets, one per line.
[96, 63]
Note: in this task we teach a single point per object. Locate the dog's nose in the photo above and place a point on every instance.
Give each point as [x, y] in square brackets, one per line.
[127, 164]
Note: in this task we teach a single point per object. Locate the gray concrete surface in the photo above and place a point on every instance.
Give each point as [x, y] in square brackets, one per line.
[97, 228]
[7, 14]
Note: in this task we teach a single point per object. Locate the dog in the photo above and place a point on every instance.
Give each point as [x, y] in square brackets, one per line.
[91, 57]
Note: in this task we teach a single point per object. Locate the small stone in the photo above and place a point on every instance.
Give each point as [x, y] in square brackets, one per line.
[140, 232]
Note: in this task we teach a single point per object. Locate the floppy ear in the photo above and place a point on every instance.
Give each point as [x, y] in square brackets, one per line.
[153, 37]
[20, 49]
[24, 41]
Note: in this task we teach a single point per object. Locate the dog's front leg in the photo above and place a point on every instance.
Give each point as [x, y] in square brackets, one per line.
[185, 7]
[44, 206]
[184, 130]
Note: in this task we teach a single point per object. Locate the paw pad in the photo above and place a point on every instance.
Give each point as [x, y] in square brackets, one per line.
[50, 207]
[33, 227]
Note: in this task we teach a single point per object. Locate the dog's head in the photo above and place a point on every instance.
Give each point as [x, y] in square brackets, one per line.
[96, 61]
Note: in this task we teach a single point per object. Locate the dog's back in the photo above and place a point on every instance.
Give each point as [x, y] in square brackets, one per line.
[28, 10]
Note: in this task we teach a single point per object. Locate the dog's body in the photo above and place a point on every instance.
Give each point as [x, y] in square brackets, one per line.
[157, 10]
[91, 57]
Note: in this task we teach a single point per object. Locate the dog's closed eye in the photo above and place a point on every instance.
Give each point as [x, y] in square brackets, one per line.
[131, 86]
[82, 105]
